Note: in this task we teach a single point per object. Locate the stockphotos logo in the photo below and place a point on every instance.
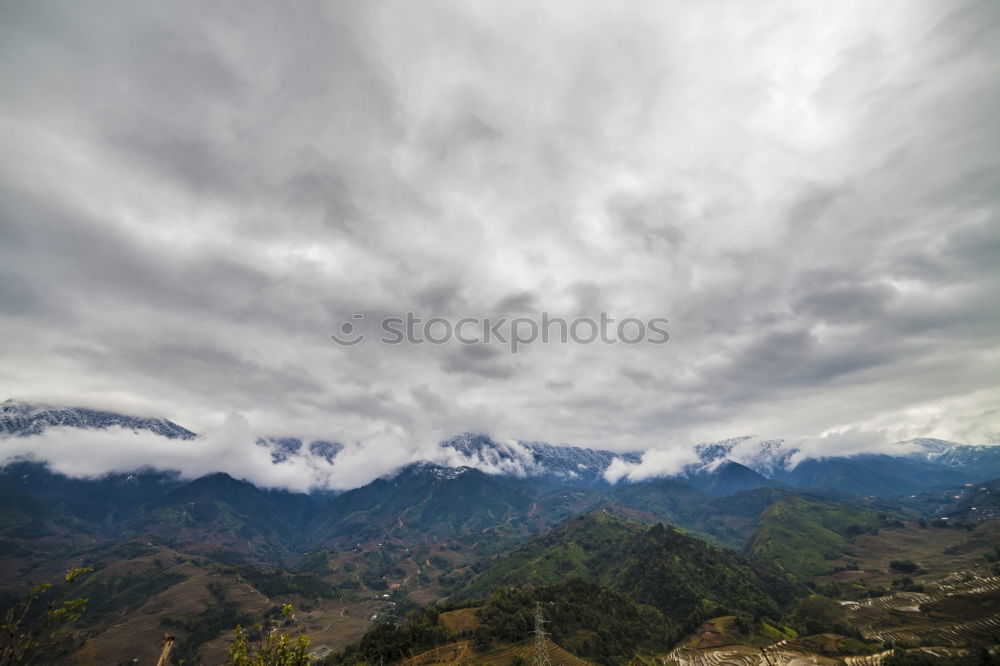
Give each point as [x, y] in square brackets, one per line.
[514, 333]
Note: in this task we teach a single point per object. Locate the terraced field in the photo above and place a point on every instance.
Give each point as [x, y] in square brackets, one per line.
[958, 610]
[779, 654]
[461, 652]
[939, 652]
[920, 618]
[461, 620]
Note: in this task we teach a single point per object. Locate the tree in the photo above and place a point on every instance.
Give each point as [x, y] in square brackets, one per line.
[903, 566]
[481, 639]
[817, 614]
[26, 637]
[271, 647]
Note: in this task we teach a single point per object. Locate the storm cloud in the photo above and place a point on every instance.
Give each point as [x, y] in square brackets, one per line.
[194, 197]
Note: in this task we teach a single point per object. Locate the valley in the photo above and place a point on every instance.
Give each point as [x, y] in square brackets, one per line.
[446, 565]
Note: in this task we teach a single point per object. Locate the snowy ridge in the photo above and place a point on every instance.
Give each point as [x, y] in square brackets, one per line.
[284, 449]
[726, 465]
[24, 420]
[764, 456]
[953, 454]
[517, 458]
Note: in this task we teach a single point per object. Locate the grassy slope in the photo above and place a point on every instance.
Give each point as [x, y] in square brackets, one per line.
[801, 537]
[576, 548]
[667, 569]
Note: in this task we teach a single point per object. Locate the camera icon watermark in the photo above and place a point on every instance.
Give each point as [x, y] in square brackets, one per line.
[349, 335]
[515, 333]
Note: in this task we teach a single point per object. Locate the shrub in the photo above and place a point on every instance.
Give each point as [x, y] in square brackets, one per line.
[903, 566]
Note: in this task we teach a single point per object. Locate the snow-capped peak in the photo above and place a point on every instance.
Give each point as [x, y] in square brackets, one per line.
[24, 420]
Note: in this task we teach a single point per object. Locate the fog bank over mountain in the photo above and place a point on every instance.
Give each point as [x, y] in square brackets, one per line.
[87, 443]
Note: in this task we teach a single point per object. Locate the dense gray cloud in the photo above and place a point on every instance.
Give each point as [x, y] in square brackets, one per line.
[192, 198]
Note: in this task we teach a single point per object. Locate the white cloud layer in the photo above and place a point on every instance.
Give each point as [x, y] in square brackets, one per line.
[653, 464]
[233, 447]
[229, 447]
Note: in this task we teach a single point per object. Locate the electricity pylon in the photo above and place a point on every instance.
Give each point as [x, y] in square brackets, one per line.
[541, 651]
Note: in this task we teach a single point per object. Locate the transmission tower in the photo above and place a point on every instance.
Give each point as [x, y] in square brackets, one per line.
[541, 653]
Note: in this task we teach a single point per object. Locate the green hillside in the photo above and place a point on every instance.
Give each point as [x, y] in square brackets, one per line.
[423, 503]
[600, 625]
[728, 521]
[682, 576]
[799, 537]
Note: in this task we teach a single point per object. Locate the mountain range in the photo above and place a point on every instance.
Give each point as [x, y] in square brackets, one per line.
[723, 467]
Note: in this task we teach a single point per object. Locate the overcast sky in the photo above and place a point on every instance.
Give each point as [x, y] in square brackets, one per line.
[194, 196]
